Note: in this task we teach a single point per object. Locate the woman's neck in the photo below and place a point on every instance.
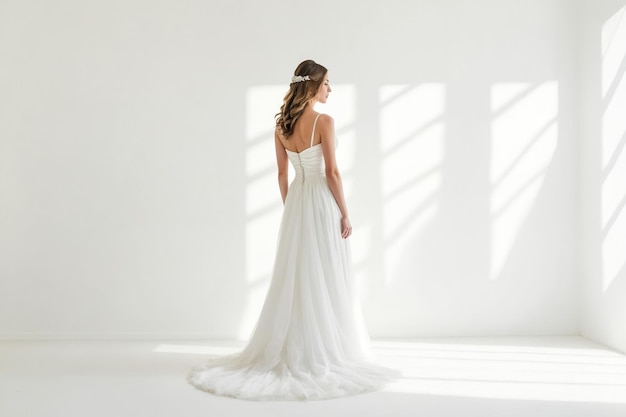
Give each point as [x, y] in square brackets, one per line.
[310, 107]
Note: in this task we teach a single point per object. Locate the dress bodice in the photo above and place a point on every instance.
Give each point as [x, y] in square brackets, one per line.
[307, 163]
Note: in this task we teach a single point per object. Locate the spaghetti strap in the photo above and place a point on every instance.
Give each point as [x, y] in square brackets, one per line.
[313, 131]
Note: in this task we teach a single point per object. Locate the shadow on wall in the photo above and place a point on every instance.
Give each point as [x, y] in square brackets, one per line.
[605, 170]
[613, 157]
[463, 195]
[465, 235]
[442, 217]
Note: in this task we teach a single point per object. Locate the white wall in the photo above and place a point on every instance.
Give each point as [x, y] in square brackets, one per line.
[137, 178]
[603, 170]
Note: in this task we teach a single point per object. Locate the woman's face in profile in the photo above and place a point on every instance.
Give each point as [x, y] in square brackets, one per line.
[324, 90]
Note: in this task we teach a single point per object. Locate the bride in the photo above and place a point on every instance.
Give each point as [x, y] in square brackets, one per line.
[310, 341]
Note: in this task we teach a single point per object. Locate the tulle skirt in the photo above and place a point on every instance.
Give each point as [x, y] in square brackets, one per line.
[310, 341]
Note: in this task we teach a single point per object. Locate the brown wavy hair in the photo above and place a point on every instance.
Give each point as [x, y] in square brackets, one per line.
[299, 95]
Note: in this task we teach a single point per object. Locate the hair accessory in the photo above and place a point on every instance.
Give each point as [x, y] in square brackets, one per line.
[299, 78]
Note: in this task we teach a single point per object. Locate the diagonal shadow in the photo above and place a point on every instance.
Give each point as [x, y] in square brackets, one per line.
[269, 170]
[514, 100]
[520, 192]
[523, 152]
[615, 82]
[620, 272]
[614, 157]
[397, 95]
[413, 182]
[519, 381]
[614, 216]
[266, 135]
[420, 208]
[410, 137]
[610, 42]
[263, 211]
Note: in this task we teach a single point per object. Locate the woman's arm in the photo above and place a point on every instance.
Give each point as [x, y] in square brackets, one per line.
[283, 166]
[327, 131]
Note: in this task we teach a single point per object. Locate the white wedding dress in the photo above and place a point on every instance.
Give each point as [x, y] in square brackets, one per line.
[310, 341]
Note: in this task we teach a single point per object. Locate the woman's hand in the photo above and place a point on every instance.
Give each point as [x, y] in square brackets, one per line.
[346, 227]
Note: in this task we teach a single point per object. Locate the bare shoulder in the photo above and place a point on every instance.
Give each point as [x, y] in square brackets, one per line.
[278, 134]
[326, 124]
[325, 119]
[279, 138]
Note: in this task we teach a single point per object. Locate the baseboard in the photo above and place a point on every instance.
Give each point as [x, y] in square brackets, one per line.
[175, 336]
[60, 336]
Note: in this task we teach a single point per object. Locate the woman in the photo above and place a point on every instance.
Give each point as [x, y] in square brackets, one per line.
[310, 341]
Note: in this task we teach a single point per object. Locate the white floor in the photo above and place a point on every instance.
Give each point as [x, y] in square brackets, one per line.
[460, 377]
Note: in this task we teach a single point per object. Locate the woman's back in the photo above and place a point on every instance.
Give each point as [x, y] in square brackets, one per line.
[304, 135]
